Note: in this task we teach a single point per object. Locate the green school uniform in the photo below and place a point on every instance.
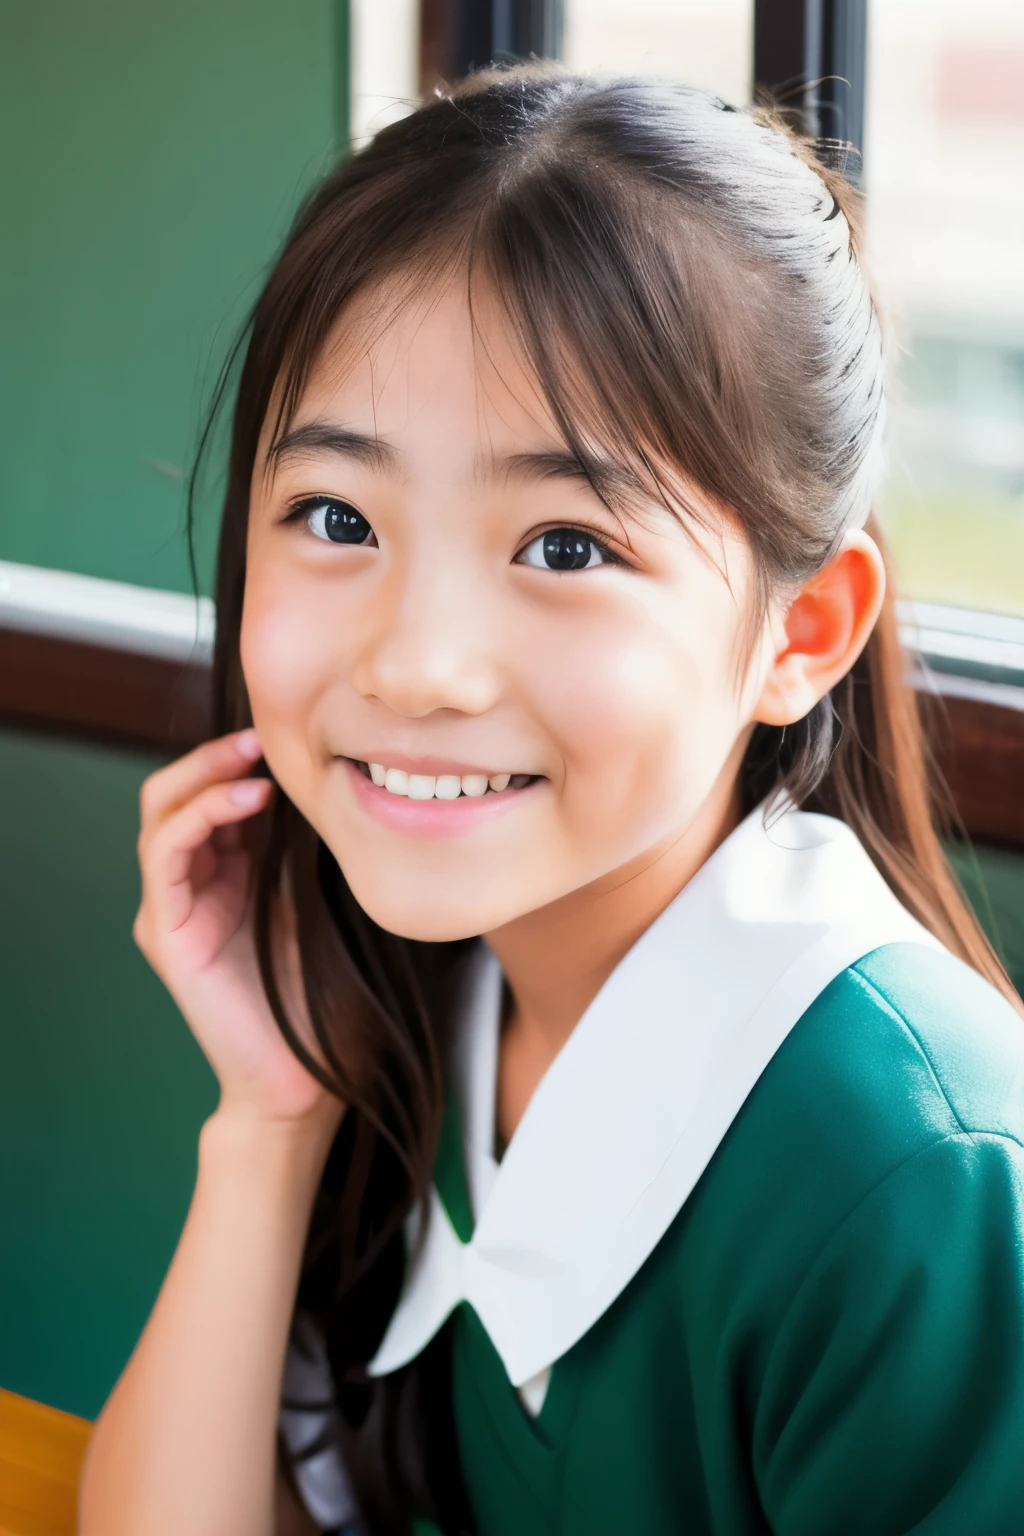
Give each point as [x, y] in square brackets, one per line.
[753, 1261]
[829, 1339]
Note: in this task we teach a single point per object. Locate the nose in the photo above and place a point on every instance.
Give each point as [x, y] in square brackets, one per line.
[428, 644]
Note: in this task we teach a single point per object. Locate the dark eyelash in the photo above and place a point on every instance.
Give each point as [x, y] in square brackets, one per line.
[594, 537]
[307, 503]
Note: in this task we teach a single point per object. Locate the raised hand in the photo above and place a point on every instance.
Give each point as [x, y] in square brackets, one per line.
[194, 925]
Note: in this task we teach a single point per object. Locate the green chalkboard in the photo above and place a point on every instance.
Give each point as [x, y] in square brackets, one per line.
[102, 1087]
[150, 158]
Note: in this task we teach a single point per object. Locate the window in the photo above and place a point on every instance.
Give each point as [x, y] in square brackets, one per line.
[704, 42]
[385, 65]
[943, 156]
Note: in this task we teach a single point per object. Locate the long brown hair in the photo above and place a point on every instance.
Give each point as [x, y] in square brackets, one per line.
[683, 279]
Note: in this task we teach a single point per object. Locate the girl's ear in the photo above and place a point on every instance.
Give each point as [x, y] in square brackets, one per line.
[824, 630]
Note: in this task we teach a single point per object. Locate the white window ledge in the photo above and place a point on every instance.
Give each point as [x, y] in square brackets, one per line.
[115, 614]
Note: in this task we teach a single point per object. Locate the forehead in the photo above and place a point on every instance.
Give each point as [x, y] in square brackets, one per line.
[418, 365]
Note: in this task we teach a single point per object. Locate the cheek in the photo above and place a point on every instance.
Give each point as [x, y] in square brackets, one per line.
[286, 660]
[274, 651]
[643, 706]
[287, 664]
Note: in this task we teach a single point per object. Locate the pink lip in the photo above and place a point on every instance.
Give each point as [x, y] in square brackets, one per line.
[428, 818]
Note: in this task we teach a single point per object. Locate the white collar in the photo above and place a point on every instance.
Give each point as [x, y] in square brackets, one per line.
[630, 1112]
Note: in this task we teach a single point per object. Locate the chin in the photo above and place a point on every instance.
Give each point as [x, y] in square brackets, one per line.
[421, 916]
[426, 925]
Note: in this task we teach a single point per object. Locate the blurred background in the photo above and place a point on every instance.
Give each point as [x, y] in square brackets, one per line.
[151, 159]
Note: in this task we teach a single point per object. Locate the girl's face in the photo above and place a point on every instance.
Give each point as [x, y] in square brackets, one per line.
[432, 587]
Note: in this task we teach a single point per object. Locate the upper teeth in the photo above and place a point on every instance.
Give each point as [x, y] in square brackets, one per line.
[442, 786]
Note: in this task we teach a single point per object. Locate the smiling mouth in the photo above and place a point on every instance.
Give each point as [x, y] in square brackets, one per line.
[441, 786]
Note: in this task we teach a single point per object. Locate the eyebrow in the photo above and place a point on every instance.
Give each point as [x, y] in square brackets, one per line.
[376, 453]
[605, 476]
[324, 437]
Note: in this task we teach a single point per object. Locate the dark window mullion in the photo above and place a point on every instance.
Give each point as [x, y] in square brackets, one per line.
[811, 56]
[460, 35]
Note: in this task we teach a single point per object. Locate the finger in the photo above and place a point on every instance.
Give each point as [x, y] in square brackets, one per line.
[225, 757]
[231, 838]
[167, 867]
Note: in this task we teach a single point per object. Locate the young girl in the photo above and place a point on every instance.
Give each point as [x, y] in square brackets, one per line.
[621, 1114]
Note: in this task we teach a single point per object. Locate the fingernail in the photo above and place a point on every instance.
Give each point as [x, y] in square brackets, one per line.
[248, 742]
[248, 792]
